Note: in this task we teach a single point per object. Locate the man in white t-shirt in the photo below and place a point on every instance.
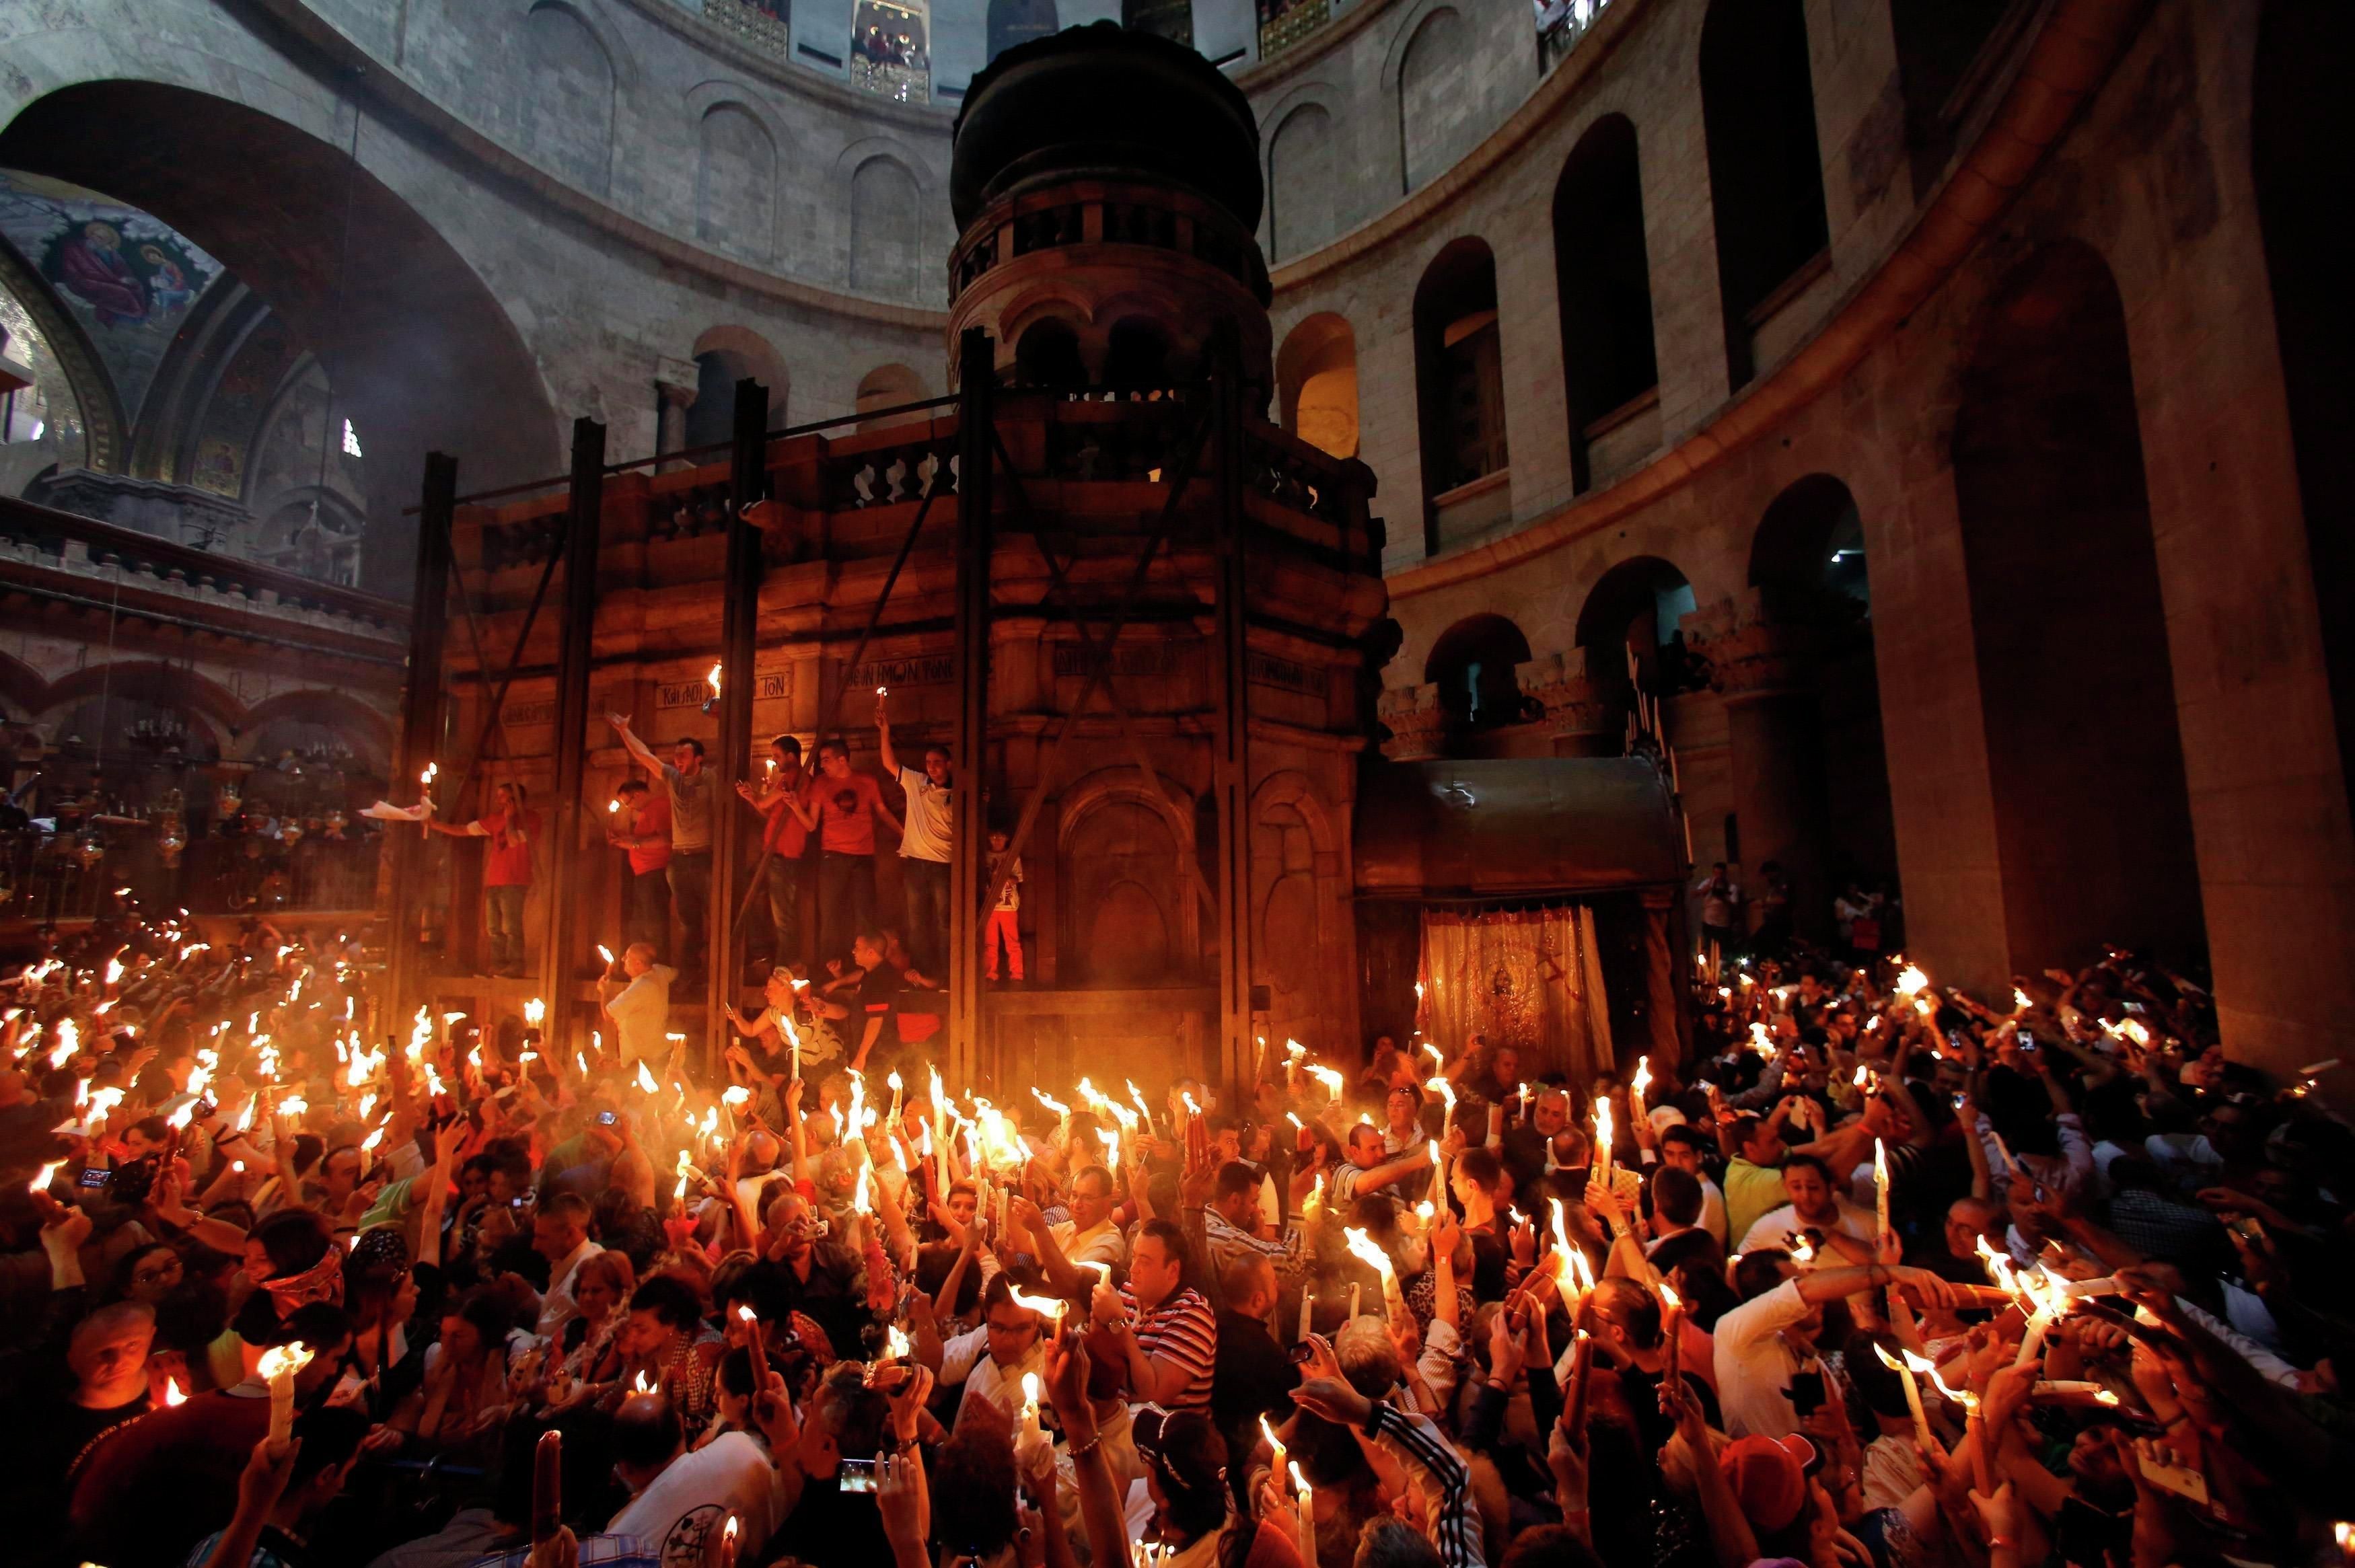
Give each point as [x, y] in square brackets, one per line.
[923, 846]
[681, 1499]
[642, 1007]
[1762, 1343]
[1814, 1206]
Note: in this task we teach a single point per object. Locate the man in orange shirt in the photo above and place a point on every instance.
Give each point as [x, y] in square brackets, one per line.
[787, 838]
[507, 873]
[642, 829]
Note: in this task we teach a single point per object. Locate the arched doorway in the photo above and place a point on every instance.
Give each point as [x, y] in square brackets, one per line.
[723, 357]
[1317, 384]
[1473, 665]
[1635, 609]
[1808, 565]
[888, 387]
[1603, 281]
[1765, 172]
[424, 356]
[2085, 760]
[1460, 392]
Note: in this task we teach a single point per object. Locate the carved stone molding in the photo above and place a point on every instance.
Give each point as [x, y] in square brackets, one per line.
[1751, 654]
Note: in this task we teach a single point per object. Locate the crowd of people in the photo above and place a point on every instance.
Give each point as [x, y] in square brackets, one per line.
[1882, 1277]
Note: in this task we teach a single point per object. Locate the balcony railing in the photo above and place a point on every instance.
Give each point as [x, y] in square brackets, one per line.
[1284, 22]
[1562, 24]
[763, 26]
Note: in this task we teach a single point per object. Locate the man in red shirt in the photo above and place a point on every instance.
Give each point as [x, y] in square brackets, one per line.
[786, 836]
[848, 806]
[507, 873]
[641, 828]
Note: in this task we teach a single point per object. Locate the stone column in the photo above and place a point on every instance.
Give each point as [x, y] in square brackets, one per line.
[1584, 716]
[676, 383]
[1766, 672]
[1417, 724]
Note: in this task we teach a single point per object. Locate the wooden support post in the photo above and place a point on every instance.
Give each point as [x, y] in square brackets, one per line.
[568, 861]
[1230, 772]
[969, 839]
[420, 731]
[738, 619]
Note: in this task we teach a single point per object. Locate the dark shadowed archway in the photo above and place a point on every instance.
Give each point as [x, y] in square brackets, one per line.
[2076, 689]
[424, 357]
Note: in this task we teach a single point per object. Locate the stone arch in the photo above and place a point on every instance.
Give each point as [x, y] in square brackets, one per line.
[2069, 625]
[155, 682]
[1302, 183]
[1603, 285]
[1473, 665]
[1459, 374]
[1297, 889]
[1765, 169]
[1122, 853]
[1635, 605]
[886, 228]
[568, 127]
[736, 181]
[457, 378]
[1438, 121]
[106, 425]
[888, 387]
[1316, 383]
[1808, 550]
[334, 710]
[724, 355]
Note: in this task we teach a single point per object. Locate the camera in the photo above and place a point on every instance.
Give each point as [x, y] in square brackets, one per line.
[607, 1119]
[857, 1476]
[96, 1176]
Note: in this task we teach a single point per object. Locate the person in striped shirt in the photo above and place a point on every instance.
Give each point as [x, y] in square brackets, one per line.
[1161, 1325]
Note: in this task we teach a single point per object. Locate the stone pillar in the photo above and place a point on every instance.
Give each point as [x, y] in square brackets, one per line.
[676, 383]
[1666, 972]
[1417, 724]
[1766, 672]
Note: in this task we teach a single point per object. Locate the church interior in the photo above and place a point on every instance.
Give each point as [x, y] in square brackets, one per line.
[1177, 784]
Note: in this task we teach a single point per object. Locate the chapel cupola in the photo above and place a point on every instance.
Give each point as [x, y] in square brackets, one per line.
[1106, 188]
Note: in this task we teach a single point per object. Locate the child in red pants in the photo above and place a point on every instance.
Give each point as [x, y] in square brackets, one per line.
[1004, 919]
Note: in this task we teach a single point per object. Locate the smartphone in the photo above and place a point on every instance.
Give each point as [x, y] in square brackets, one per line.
[96, 1176]
[857, 1476]
[2027, 1041]
[2189, 1485]
[606, 1119]
[1300, 1353]
[1806, 1392]
[204, 1110]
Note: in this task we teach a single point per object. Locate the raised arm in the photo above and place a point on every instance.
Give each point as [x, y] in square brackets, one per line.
[633, 744]
[884, 738]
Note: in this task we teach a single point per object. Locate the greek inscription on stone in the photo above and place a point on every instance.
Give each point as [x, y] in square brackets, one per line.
[1144, 659]
[523, 715]
[929, 672]
[1269, 671]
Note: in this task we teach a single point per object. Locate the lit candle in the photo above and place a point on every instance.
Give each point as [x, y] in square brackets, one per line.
[1672, 1315]
[547, 1485]
[730, 1541]
[1307, 1308]
[1275, 1447]
[278, 1366]
[1913, 1395]
[1353, 1299]
[1308, 1516]
[1880, 1188]
[1602, 1141]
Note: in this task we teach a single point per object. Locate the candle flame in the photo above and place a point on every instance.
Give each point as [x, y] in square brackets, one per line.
[48, 1173]
[1911, 981]
[284, 1360]
[645, 1079]
[712, 680]
[535, 1011]
[173, 1397]
[1366, 1250]
[1047, 1306]
[1669, 1299]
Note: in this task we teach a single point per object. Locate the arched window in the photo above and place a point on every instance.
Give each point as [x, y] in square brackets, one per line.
[735, 183]
[1472, 666]
[1459, 377]
[723, 357]
[1439, 115]
[1316, 381]
[891, 49]
[1808, 555]
[1603, 280]
[1047, 355]
[1635, 608]
[568, 125]
[1171, 19]
[1013, 22]
[887, 215]
[1766, 175]
[2085, 760]
[888, 387]
[1301, 184]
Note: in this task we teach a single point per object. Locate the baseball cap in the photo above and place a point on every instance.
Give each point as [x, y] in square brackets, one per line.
[1769, 1474]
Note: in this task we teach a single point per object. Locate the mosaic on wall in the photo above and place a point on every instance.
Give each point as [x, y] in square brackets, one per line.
[126, 278]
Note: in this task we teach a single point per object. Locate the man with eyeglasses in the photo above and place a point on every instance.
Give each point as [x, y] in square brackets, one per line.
[990, 1360]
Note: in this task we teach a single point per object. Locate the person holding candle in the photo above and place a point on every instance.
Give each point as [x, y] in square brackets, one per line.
[1762, 1344]
[637, 1002]
[689, 785]
[991, 1362]
[640, 827]
[783, 800]
[849, 805]
[281, 1492]
[924, 842]
[512, 831]
[1816, 1205]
